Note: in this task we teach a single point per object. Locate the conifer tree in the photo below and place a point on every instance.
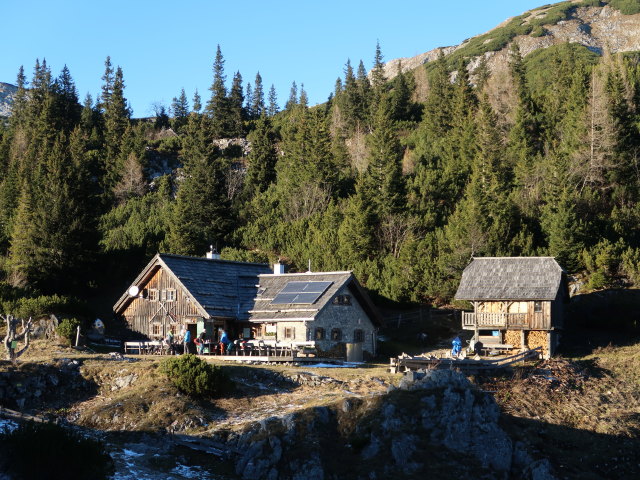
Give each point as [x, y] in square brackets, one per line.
[180, 108]
[273, 102]
[378, 79]
[257, 106]
[218, 105]
[293, 97]
[382, 184]
[262, 160]
[248, 102]
[201, 213]
[197, 102]
[400, 97]
[236, 110]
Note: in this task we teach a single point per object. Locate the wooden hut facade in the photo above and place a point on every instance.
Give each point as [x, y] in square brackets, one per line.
[202, 294]
[517, 301]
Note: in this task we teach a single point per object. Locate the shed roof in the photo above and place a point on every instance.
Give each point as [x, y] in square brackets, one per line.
[270, 285]
[511, 278]
[220, 288]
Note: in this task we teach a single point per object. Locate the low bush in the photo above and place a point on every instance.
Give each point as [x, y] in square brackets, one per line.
[626, 7]
[67, 329]
[195, 377]
[45, 451]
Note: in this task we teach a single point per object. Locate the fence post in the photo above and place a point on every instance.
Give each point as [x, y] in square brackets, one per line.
[78, 335]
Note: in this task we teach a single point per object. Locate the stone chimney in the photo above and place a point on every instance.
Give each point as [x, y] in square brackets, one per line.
[213, 254]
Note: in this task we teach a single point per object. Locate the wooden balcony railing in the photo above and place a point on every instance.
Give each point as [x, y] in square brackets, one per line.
[491, 320]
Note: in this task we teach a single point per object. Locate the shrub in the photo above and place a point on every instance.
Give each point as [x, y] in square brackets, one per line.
[60, 453]
[195, 377]
[626, 7]
[67, 329]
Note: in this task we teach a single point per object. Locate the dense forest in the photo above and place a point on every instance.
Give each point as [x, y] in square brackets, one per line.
[401, 180]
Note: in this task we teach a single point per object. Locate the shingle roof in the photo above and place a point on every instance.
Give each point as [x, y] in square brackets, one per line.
[510, 278]
[271, 285]
[221, 288]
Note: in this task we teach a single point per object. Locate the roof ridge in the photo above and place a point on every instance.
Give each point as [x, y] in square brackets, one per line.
[204, 259]
[305, 273]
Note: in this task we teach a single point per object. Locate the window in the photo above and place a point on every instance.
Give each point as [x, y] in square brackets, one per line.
[336, 334]
[153, 294]
[156, 329]
[171, 294]
[358, 336]
[319, 333]
[289, 332]
[342, 300]
[173, 328]
[537, 306]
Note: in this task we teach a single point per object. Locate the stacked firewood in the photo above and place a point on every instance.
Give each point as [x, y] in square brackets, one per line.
[513, 337]
[538, 338]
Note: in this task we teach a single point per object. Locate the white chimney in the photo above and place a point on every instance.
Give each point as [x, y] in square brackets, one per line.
[213, 254]
[278, 268]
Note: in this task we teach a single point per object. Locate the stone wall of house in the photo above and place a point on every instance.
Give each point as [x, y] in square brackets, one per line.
[346, 318]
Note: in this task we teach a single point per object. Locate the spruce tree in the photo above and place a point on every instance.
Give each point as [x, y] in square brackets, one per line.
[257, 106]
[262, 159]
[218, 105]
[382, 184]
[201, 213]
[180, 108]
[236, 110]
[273, 102]
[293, 97]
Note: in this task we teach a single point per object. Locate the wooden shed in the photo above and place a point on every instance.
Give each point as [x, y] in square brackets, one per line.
[517, 301]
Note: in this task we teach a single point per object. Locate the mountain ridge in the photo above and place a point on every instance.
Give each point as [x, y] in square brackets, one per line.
[598, 28]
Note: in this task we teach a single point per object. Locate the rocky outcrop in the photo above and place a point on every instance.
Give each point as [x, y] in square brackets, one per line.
[32, 386]
[435, 421]
[597, 28]
[7, 91]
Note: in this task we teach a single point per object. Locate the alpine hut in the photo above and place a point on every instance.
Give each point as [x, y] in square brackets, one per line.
[518, 302]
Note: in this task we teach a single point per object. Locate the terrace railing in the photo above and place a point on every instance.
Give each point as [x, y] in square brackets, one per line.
[494, 320]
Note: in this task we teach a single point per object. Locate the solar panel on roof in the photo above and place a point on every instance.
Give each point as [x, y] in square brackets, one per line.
[301, 293]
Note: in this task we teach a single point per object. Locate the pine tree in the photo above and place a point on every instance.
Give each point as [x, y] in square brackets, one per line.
[262, 159]
[67, 108]
[382, 184]
[273, 102]
[236, 110]
[257, 106]
[197, 102]
[218, 105]
[400, 97]
[293, 97]
[201, 213]
[248, 102]
[180, 108]
[378, 79]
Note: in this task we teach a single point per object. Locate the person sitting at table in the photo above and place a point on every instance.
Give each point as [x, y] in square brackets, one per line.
[200, 342]
[171, 348]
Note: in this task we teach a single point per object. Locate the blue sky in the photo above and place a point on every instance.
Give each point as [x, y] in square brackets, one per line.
[165, 46]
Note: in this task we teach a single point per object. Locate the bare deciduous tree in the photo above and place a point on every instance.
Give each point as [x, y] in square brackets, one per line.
[12, 337]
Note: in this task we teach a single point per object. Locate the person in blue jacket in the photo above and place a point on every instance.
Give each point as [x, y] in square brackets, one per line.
[456, 347]
[186, 340]
[225, 341]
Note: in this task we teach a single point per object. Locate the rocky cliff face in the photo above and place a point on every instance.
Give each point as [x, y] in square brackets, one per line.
[435, 425]
[597, 28]
[7, 91]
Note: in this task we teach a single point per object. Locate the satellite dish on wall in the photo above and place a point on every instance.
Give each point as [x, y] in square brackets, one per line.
[133, 291]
